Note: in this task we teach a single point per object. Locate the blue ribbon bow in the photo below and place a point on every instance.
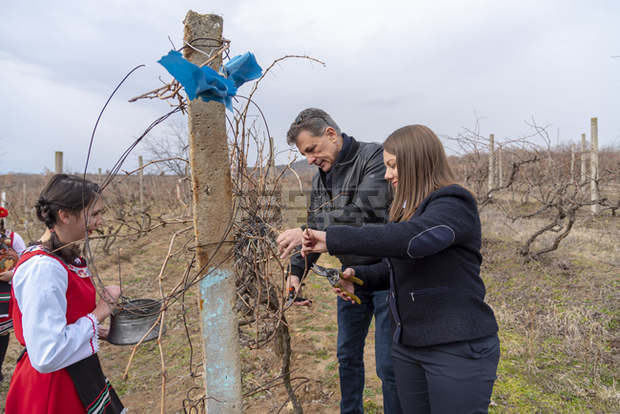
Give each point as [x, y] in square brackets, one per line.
[208, 84]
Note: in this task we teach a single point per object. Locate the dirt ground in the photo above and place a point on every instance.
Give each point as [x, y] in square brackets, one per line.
[313, 333]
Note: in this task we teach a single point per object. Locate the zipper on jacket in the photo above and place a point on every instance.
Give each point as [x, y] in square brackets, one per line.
[426, 292]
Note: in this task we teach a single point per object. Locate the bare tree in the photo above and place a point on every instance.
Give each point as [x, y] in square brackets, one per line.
[171, 148]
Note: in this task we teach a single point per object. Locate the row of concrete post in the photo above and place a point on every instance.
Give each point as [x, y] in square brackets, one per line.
[495, 178]
[58, 160]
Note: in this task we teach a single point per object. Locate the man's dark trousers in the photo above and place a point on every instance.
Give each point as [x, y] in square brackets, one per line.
[353, 323]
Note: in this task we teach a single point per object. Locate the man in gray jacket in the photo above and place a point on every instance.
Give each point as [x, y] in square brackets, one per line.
[348, 189]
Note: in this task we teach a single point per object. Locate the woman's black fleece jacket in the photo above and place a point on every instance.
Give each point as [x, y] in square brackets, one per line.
[431, 265]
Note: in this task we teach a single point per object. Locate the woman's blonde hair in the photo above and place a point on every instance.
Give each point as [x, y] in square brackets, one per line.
[422, 168]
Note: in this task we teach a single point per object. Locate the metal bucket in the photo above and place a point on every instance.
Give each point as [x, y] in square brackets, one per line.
[129, 325]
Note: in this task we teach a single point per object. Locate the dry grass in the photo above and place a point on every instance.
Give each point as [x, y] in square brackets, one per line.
[558, 318]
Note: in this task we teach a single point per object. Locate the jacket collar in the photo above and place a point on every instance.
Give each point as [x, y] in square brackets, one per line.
[351, 153]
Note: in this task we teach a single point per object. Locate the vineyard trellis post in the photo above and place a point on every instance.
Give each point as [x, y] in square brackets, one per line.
[212, 209]
[594, 193]
[58, 162]
[500, 166]
[491, 162]
[583, 159]
[572, 163]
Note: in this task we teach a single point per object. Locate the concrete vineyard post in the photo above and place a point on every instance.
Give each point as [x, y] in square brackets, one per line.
[583, 160]
[594, 193]
[491, 162]
[212, 210]
[58, 162]
[572, 163]
[500, 170]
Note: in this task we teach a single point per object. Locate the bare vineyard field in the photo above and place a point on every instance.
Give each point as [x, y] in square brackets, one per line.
[558, 315]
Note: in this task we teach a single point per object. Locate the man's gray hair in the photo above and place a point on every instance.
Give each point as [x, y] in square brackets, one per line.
[313, 120]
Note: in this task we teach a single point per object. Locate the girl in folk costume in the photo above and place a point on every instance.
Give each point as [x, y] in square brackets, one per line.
[55, 312]
[11, 247]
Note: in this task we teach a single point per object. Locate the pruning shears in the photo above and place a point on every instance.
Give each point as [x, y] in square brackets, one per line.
[333, 277]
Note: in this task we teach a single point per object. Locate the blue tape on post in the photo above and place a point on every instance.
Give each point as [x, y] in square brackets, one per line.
[206, 83]
[242, 69]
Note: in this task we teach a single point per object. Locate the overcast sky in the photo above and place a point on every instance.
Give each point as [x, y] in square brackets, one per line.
[388, 64]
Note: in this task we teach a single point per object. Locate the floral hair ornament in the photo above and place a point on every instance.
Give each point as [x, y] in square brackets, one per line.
[3, 212]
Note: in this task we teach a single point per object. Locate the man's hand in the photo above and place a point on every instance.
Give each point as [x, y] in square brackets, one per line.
[314, 241]
[288, 241]
[294, 282]
[346, 284]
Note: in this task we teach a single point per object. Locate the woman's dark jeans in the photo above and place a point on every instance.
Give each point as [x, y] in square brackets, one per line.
[353, 323]
[449, 378]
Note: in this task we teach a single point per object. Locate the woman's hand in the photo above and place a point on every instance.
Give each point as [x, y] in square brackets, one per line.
[103, 332]
[314, 241]
[346, 284]
[6, 276]
[105, 306]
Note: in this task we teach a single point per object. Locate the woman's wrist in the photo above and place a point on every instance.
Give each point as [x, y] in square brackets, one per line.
[102, 311]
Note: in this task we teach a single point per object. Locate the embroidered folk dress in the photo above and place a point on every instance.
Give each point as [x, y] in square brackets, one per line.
[51, 310]
[16, 243]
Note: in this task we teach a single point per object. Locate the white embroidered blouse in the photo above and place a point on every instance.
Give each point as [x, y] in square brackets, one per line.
[40, 287]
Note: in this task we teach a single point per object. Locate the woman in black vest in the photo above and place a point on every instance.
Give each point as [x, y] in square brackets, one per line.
[446, 348]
